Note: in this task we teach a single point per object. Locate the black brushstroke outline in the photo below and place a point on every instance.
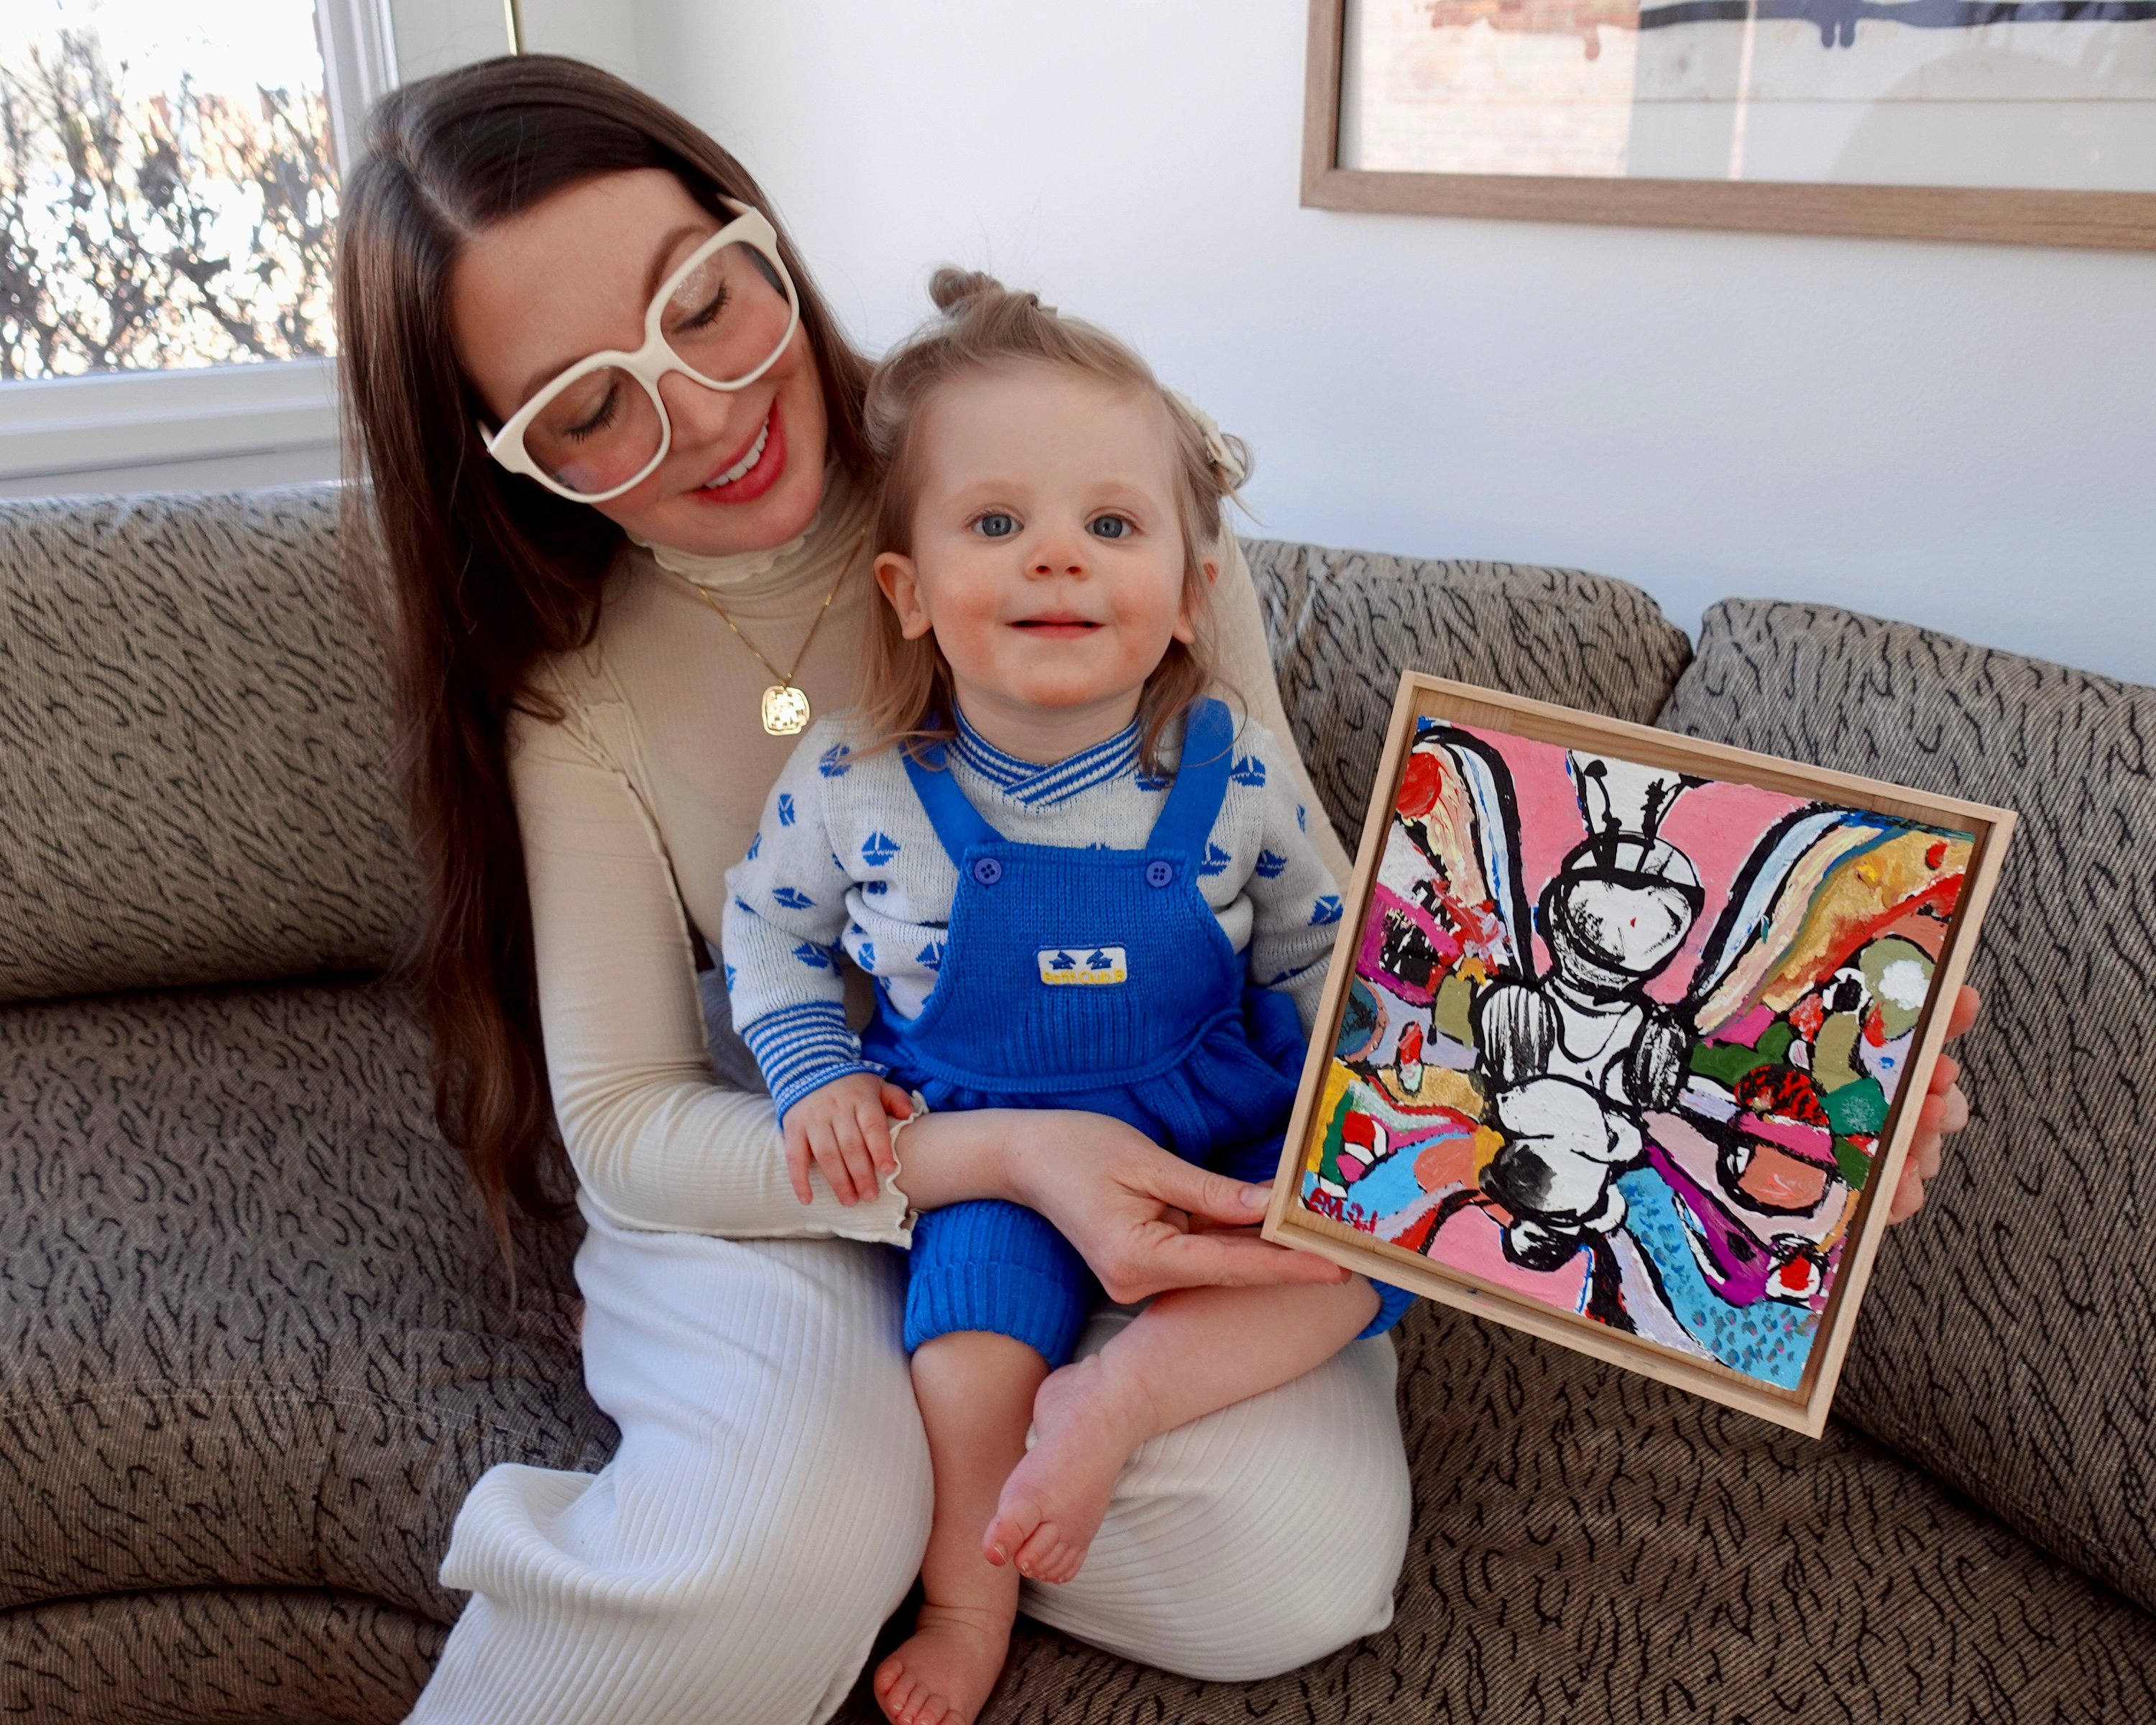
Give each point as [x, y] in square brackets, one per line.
[1518, 912]
[1716, 954]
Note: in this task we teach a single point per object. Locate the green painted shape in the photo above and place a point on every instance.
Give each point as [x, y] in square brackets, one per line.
[1450, 1012]
[1857, 1108]
[1328, 1161]
[1834, 1054]
[1874, 961]
[1856, 1166]
[1726, 1062]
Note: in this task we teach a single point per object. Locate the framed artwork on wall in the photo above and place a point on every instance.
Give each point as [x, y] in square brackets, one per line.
[2027, 122]
[1625, 1037]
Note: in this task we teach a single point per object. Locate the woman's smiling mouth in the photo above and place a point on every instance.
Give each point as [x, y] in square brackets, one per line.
[755, 470]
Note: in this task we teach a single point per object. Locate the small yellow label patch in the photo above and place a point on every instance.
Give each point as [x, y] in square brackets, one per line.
[1084, 967]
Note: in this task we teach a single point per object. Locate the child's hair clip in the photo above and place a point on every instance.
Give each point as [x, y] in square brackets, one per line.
[1225, 453]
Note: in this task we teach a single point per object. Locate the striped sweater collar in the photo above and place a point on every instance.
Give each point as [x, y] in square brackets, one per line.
[1039, 787]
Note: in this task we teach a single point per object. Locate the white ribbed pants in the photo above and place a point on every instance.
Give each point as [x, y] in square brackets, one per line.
[769, 1503]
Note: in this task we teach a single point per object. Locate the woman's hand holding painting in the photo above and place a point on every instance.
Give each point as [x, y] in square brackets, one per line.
[1945, 1113]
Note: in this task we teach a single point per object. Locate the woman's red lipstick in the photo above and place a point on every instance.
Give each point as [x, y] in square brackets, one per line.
[769, 470]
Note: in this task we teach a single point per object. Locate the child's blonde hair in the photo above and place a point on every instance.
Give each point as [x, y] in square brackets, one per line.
[907, 693]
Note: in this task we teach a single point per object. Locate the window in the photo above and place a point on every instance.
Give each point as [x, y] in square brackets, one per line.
[167, 185]
[168, 203]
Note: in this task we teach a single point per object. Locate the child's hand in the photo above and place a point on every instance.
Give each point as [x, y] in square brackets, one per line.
[845, 1126]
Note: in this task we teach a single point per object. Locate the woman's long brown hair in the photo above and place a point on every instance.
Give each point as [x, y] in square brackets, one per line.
[489, 572]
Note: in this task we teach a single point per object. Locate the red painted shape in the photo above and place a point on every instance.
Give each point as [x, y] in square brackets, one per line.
[1421, 784]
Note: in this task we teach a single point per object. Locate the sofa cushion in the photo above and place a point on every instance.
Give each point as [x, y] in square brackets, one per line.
[1590, 1548]
[2008, 1343]
[253, 1331]
[237, 1656]
[1344, 624]
[196, 785]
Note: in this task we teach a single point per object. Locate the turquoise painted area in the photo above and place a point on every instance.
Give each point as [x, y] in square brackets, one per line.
[1768, 1340]
[1391, 1188]
[1392, 1185]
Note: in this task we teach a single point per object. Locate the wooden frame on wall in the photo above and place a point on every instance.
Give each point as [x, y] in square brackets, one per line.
[2114, 220]
[1816, 846]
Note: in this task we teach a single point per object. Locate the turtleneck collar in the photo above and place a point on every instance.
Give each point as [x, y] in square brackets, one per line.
[740, 571]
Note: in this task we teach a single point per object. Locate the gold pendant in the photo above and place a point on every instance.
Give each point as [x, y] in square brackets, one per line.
[785, 710]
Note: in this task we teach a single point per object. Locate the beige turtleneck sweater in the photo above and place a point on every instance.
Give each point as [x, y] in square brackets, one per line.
[634, 805]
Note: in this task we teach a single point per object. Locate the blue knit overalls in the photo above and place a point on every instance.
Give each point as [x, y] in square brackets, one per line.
[1092, 979]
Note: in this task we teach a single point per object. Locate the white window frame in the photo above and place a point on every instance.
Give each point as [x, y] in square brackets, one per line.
[115, 421]
[359, 66]
[110, 422]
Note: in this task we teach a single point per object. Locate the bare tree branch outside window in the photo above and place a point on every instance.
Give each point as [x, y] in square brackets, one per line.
[140, 230]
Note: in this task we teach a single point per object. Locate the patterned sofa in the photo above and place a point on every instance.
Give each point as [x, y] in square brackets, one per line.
[255, 1343]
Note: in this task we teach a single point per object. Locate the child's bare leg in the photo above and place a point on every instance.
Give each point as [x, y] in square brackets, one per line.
[976, 1394]
[1191, 1351]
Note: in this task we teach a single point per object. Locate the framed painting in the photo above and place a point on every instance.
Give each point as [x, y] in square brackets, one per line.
[1626, 1036]
[2030, 121]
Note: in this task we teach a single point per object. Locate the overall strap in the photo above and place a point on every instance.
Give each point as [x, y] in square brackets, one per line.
[957, 822]
[1201, 780]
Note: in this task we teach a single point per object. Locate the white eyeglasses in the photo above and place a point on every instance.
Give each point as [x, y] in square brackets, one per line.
[724, 317]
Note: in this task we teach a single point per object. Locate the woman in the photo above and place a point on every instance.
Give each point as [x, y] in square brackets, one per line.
[619, 585]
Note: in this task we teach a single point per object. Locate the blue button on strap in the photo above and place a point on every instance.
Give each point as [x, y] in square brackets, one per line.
[1159, 872]
[987, 870]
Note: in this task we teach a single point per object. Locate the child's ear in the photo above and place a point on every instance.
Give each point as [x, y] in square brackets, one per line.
[1186, 625]
[894, 574]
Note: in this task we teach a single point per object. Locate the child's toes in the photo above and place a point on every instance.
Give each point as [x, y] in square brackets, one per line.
[899, 1692]
[1034, 1555]
[1014, 1525]
[1045, 1555]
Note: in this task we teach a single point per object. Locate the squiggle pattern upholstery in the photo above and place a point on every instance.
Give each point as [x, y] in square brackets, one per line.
[255, 1343]
[2008, 1341]
[195, 715]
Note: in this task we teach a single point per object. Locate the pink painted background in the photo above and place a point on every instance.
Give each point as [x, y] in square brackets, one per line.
[1715, 825]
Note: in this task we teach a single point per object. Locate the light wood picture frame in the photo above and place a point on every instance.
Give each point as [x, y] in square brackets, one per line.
[2010, 214]
[1626, 1034]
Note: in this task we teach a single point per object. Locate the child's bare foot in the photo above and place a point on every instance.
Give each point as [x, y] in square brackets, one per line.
[941, 1674]
[1086, 1420]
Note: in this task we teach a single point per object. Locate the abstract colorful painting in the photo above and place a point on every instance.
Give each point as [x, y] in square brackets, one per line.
[1623, 1040]
[2020, 121]
[2030, 93]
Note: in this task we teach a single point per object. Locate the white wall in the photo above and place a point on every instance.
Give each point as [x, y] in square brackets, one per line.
[1962, 436]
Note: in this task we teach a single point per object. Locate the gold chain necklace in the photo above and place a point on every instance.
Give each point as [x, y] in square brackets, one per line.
[785, 708]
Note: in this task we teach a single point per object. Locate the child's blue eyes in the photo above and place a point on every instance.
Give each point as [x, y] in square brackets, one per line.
[997, 525]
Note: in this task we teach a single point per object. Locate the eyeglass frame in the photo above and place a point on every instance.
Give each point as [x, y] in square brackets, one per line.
[654, 360]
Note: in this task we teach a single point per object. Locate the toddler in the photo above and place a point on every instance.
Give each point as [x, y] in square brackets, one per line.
[1077, 884]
